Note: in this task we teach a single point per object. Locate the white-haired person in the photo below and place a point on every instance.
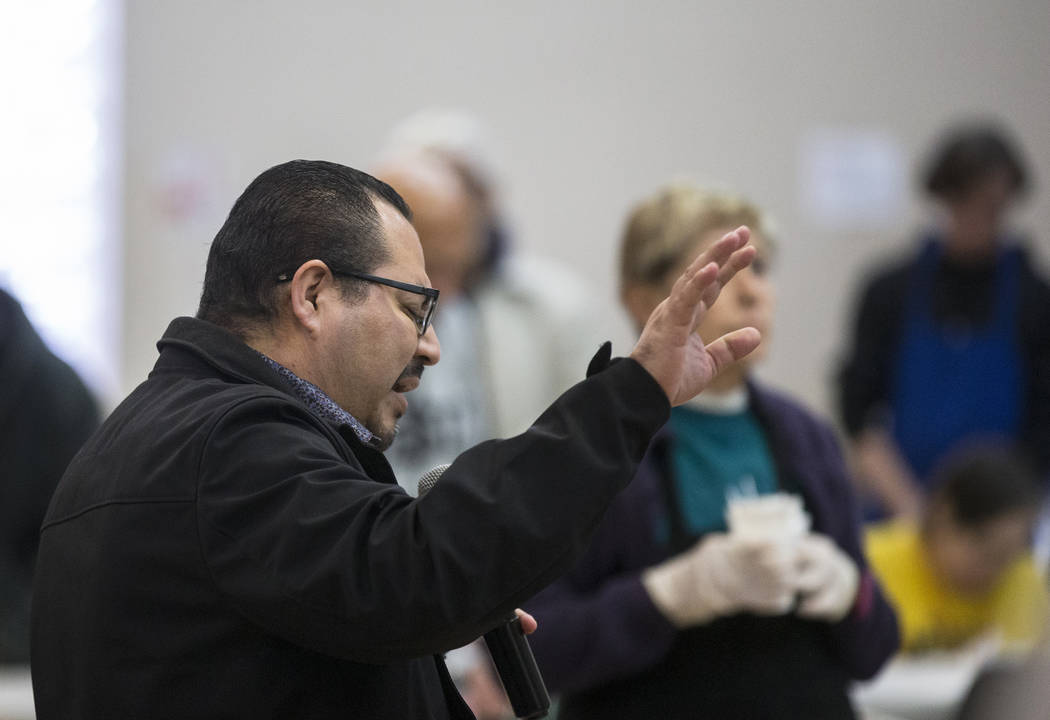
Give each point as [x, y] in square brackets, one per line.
[515, 326]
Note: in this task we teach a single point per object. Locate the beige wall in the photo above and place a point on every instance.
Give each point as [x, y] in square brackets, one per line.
[590, 104]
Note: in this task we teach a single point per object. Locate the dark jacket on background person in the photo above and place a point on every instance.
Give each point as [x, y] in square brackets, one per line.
[46, 413]
[613, 655]
[218, 550]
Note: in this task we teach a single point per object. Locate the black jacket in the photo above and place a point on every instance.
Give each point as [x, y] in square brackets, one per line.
[46, 412]
[216, 550]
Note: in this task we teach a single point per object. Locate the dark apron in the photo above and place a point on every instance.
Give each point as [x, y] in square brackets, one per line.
[952, 384]
[744, 666]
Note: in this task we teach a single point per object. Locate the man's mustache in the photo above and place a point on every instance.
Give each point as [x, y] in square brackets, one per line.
[413, 369]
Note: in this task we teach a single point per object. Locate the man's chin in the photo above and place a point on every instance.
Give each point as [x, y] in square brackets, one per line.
[382, 443]
[383, 435]
[384, 428]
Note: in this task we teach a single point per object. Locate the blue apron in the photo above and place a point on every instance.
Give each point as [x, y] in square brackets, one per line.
[954, 384]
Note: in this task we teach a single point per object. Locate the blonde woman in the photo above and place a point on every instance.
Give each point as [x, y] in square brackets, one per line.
[671, 616]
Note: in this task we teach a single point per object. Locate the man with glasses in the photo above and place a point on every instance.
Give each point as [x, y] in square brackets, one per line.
[232, 542]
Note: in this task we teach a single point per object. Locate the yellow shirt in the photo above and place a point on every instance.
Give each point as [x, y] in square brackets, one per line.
[933, 616]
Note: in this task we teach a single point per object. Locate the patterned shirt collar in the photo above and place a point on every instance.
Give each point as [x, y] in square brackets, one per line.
[320, 404]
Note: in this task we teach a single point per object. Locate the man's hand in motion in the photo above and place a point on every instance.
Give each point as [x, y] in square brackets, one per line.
[669, 347]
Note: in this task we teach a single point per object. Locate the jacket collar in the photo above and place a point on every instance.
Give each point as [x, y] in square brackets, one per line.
[230, 356]
[222, 350]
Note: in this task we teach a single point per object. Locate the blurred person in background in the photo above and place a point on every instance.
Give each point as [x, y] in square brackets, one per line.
[951, 342]
[46, 413]
[515, 327]
[964, 570]
[668, 615]
[1011, 691]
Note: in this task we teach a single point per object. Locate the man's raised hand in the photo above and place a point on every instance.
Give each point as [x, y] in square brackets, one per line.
[669, 347]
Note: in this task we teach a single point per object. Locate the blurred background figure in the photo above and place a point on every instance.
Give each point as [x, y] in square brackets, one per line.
[46, 413]
[671, 616]
[1008, 690]
[951, 342]
[965, 568]
[516, 331]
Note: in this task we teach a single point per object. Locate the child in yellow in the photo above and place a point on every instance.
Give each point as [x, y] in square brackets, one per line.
[965, 568]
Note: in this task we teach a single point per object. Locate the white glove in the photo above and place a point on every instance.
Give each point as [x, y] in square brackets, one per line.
[827, 579]
[722, 575]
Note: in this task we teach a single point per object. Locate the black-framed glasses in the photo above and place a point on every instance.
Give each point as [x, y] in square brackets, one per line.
[426, 310]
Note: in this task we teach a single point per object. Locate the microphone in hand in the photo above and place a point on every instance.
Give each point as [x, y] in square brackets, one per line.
[509, 648]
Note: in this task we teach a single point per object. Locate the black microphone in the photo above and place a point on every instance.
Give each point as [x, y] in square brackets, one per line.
[509, 648]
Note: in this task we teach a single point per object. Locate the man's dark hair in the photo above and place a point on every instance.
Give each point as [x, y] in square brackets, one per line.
[292, 213]
[969, 155]
[984, 482]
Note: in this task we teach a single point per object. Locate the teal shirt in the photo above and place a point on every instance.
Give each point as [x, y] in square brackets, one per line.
[715, 455]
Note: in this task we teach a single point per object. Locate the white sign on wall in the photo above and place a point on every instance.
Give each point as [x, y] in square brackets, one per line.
[852, 178]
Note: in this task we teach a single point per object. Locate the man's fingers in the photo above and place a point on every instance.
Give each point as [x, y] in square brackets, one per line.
[668, 345]
[714, 267]
[720, 250]
[732, 346]
[736, 262]
[528, 623]
[718, 253]
[687, 292]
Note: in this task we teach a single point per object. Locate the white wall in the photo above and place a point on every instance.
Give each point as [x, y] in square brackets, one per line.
[60, 199]
[591, 105]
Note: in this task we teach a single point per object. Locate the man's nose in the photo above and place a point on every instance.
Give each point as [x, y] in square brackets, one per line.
[429, 348]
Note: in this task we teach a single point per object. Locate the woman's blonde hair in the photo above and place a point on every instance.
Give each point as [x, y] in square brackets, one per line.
[664, 227]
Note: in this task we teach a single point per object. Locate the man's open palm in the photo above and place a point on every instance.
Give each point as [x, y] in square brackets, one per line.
[670, 349]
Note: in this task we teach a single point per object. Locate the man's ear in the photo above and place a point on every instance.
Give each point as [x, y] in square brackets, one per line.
[310, 280]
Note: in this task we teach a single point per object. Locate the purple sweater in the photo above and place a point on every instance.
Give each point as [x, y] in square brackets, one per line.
[599, 632]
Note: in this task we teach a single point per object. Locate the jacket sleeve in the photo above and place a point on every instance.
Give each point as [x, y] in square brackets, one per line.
[304, 544]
